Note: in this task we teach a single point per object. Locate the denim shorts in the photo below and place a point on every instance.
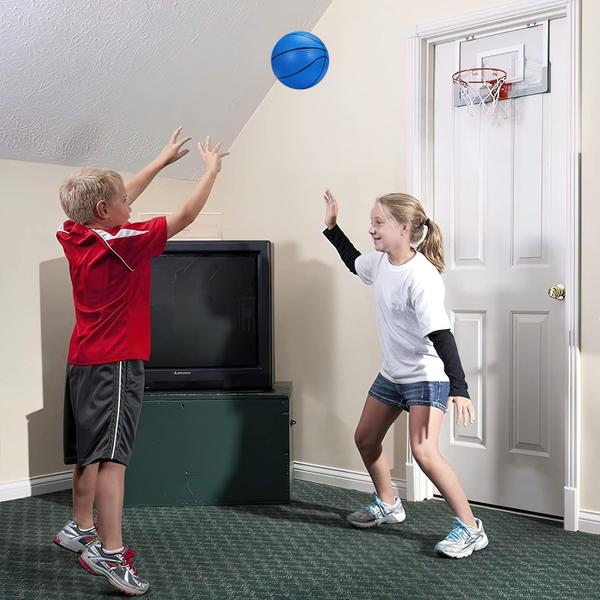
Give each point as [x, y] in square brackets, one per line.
[405, 395]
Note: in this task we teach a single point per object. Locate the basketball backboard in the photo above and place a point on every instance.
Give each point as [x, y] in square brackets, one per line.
[521, 52]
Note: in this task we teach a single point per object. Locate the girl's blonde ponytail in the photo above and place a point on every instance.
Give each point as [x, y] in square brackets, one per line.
[432, 246]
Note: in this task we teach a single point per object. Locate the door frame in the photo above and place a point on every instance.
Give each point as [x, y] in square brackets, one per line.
[420, 181]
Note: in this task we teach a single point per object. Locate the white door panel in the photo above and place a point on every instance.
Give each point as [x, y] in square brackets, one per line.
[500, 199]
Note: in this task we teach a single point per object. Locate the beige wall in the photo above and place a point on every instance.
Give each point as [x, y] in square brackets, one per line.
[348, 133]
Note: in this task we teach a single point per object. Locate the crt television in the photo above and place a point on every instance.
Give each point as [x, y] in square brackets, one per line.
[212, 314]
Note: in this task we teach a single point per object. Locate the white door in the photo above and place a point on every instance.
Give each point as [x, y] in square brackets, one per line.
[500, 199]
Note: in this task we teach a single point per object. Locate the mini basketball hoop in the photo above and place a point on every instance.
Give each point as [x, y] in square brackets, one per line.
[481, 87]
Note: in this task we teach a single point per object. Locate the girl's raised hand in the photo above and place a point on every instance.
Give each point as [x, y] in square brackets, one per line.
[331, 209]
[465, 411]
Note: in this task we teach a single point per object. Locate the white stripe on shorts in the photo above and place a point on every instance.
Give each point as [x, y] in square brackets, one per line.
[112, 454]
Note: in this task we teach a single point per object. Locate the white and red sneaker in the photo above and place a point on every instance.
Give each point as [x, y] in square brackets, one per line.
[116, 567]
[75, 539]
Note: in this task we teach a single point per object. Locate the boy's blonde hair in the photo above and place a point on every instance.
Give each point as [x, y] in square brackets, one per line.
[406, 209]
[80, 193]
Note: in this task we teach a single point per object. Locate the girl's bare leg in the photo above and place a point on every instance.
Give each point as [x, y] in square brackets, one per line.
[424, 424]
[375, 421]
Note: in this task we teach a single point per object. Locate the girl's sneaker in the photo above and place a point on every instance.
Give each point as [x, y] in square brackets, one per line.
[377, 513]
[463, 540]
[75, 539]
[117, 568]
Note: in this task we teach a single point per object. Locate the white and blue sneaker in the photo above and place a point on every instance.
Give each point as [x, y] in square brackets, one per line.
[463, 540]
[378, 512]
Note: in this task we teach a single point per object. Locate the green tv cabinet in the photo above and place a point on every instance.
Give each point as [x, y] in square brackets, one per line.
[212, 447]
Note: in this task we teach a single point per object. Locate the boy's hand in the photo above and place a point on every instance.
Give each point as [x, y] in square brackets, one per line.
[172, 151]
[331, 209]
[169, 154]
[192, 206]
[211, 156]
[465, 411]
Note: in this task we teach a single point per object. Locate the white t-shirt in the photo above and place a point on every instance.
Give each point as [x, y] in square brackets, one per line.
[410, 305]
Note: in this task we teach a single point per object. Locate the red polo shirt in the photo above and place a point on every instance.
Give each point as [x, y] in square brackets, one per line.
[110, 273]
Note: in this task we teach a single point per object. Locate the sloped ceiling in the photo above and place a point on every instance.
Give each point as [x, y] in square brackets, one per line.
[104, 82]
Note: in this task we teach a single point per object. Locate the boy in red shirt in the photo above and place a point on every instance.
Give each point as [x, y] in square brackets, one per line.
[109, 263]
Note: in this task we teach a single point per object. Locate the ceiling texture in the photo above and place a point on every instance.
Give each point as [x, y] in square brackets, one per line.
[105, 82]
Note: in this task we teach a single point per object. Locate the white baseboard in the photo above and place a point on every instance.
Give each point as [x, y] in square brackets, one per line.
[344, 478]
[589, 521]
[571, 508]
[43, 484]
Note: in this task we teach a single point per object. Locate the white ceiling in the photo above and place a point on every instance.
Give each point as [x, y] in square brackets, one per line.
[104, 82]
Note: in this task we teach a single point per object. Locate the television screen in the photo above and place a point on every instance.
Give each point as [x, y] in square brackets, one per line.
[204, 311]
[211, 310]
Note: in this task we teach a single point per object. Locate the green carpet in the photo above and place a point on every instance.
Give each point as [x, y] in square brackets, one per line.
[304, 550]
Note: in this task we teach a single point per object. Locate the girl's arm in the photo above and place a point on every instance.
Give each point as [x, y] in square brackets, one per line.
[343, 245]
[336, 236]
[445, 345]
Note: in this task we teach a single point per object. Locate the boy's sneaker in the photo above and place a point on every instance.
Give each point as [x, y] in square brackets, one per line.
[117, 568]
[74, 539]
[377, 513]
[463, 540]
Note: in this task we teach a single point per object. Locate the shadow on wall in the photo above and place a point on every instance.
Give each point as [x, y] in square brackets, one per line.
[304, 332]
[45, 425]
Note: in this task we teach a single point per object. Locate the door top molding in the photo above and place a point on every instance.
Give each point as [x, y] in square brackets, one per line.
[492, 18]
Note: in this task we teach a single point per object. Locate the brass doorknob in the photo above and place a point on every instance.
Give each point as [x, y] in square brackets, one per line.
[557, 291]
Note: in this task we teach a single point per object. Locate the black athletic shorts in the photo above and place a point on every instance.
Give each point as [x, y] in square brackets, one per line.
[102, 410]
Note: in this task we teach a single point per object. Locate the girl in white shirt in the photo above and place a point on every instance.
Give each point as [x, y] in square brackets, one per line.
[421, 371]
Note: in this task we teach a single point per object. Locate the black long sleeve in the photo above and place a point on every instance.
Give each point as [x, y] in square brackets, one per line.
[445, 345]
[343, 245]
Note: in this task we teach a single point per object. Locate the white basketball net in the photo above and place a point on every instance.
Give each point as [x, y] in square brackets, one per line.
[480, 87]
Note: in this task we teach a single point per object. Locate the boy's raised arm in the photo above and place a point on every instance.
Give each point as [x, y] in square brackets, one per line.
[192, 206]
[169, 154]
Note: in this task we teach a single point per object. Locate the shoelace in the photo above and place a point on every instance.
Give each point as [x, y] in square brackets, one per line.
[128, 557]
[460, 532]
[375, 507]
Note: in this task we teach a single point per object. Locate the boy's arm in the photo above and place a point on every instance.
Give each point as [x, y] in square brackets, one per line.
[169, 154]
[192, 206]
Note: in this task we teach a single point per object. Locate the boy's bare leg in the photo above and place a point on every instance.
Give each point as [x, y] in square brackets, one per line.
[110, 490]
[84, 491]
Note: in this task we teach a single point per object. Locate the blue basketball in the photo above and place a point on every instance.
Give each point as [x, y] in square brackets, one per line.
[299, 60]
